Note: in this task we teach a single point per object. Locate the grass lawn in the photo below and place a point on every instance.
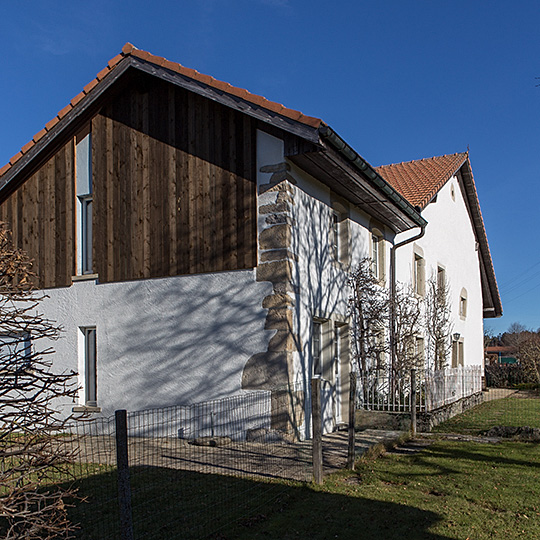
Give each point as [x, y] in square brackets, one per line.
[510, 411]
[449, 490]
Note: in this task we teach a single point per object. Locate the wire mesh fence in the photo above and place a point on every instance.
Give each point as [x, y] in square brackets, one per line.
[192, 469]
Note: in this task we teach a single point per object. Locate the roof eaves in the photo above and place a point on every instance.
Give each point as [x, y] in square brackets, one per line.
[478, 222]
[58, 125]
[128, 50]
[365, 168]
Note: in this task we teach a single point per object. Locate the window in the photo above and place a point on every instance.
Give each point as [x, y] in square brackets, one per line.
[419, 275]
[441, 278]
[316, 346]
[339, 234]
[337, 349]
[83, 176]
[336, 251]
[419, 352]
[15, 354]
[90, 366]
[463, 304]
[377, 254]
[457, 353]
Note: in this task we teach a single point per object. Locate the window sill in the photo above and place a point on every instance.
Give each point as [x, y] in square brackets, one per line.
[85, 408]
[85, 277]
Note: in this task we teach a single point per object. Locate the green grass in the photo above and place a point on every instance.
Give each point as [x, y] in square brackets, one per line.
[510, 411]
[451, 489]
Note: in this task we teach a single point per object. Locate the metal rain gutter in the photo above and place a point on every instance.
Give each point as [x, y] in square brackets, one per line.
[361, 164]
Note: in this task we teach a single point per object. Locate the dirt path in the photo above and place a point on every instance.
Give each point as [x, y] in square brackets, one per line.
[246, 459]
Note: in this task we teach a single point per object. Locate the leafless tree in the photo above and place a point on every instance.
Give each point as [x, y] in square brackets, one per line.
[369, 308]
[408, 321]
[438, 322]
[529, 355]
[31, 507]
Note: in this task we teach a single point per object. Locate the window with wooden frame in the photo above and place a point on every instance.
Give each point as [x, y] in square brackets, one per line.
[336, 244]
[316, 347]
[441, 278]
[458, 358]
[339, 237]
[89, 343]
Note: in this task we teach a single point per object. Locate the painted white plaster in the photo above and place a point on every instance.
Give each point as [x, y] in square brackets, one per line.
[167, 341]
[449, 241]
[320, 282]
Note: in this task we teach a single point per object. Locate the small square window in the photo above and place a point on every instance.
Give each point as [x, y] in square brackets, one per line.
[15, 354]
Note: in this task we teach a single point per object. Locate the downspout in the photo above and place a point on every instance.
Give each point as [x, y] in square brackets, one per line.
[393, 295]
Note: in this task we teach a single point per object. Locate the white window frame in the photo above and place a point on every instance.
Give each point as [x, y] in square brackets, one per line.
[17, 349]
[377, 255]
[88, 350]
[84, 201]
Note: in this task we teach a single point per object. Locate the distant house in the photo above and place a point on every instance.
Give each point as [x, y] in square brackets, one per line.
[500, 355]
[195, 239]
[453, 247]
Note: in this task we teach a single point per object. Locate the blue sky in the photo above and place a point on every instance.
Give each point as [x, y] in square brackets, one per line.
[397, 80]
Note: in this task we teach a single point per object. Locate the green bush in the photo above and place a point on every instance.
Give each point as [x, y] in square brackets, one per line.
[506, 376]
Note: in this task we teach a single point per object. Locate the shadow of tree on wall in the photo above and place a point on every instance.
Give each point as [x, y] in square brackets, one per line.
[184, 342]
[322, 281]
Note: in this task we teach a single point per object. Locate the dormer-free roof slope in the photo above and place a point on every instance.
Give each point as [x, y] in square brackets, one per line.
[129, 50]
[419, 181]
[324, 154]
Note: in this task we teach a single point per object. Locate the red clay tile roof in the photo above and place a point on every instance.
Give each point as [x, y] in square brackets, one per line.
[129, 50]
[419, 181]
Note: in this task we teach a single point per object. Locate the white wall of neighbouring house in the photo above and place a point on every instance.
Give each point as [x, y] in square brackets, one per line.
[168, 341]
[450, 242]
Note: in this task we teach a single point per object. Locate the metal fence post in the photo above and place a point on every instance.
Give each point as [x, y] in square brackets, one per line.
[352, 401]
[413, 402]
[316, 422]
[124, 486]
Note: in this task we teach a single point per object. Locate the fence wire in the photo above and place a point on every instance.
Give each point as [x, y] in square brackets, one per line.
[193, 469]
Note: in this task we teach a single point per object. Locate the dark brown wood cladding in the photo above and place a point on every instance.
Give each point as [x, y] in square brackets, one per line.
[41, 216]
[174, 185]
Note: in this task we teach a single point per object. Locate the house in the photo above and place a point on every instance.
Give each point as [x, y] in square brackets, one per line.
[194, 239]
[500, 354]
[453, 248]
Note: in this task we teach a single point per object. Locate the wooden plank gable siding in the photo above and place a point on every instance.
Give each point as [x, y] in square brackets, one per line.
[174, 185]
[41, 217]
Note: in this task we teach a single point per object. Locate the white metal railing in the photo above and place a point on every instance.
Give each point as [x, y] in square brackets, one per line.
[446, 386]
[434, 389]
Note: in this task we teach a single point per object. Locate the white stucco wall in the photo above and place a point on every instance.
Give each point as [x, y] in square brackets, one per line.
[449, 242]
[321, 282]
[175, 340]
